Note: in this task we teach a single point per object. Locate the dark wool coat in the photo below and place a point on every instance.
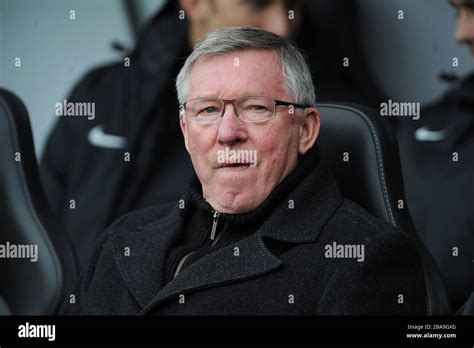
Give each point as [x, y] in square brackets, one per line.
[281, 269]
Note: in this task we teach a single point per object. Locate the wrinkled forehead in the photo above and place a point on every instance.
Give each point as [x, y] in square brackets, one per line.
[234, 74]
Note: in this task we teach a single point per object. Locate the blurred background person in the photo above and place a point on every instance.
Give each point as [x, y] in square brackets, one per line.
[131, 155]
[437, 154]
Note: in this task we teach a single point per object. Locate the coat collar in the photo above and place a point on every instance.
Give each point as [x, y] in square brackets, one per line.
[299, 218]
[312, 203]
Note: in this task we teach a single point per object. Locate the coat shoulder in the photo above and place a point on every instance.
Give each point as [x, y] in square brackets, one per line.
[352, 219]
[387, 268]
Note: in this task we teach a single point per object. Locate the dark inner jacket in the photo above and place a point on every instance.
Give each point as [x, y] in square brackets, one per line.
[280, 259]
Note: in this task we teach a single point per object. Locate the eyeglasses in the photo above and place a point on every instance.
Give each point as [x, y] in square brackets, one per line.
[248, 109]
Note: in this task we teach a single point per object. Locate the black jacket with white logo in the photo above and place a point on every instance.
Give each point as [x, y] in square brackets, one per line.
[437, 154]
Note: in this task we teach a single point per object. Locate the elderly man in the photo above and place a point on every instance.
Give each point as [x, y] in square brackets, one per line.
[262, 229]
[131, 155]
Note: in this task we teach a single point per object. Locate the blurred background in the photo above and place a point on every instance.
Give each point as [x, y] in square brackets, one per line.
[406, 57]
[399, 50]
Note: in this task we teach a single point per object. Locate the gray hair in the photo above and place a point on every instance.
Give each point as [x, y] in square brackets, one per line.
[298, 81]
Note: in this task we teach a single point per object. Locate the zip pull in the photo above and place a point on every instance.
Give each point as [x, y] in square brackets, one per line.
[214, 225]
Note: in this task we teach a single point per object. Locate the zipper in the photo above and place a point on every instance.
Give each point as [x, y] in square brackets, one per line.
[212, 237]
[181, 262]
[217, 239]
[214, 225]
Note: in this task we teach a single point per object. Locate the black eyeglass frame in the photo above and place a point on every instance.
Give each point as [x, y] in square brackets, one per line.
[276, 103]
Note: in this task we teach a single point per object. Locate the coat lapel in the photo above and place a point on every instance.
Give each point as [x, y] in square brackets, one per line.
[235, 262]
[143, 269]
[314, 202]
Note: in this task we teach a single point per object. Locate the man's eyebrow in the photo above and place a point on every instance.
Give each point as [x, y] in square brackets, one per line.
[206, 96]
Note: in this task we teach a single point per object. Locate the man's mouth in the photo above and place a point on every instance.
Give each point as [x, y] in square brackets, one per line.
[234, 166]
[236, 159]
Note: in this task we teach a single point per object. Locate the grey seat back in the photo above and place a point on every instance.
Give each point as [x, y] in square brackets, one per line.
[28, 286]
[362, 151]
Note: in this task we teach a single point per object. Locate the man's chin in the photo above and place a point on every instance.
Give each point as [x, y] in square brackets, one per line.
[232, 202]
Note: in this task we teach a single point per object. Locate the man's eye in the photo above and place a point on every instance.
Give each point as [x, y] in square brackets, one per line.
[257, 108]
[208, 110]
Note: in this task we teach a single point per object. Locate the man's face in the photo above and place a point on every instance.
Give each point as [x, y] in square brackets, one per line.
[270, 15]
[277, 142]
[465, 26]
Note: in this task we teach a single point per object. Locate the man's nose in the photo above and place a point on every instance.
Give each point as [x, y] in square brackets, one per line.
[231, 128]
[465, 28]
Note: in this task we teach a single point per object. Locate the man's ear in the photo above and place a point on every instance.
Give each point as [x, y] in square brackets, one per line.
[309, 129]
[184, 129]
[196, 10]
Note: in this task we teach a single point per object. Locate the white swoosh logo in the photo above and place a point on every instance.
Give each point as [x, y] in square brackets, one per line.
[98, 138]
[425, 134]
